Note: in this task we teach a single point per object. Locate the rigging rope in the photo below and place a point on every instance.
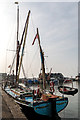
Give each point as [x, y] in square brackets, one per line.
[33, 24]
[23, 71]
[33, 58]
[46, 66]
[12, 64]
[34, 31]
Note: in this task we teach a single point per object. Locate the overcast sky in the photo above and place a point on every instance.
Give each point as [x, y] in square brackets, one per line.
[58, 28]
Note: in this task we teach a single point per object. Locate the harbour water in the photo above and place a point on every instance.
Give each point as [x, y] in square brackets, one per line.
[71, 111]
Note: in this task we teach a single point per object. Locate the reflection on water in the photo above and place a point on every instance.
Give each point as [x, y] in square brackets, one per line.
[71, 111]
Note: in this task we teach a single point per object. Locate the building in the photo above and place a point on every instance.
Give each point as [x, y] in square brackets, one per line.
[58, 76]
[3, 76]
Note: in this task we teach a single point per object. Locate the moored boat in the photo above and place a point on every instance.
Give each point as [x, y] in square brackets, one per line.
[67, 90]
[42, 103]
[67, 81]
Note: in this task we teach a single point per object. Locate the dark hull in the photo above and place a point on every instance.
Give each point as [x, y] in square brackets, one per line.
[45, 109]
[68, 91]
[32, 115]
[37, 109]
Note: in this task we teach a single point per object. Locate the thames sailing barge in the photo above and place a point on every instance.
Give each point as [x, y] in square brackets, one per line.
[44, 103]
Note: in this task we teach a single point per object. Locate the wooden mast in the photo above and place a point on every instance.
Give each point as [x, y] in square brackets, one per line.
[25, 34]
[17, 48]
[42, 62]
[18, 64]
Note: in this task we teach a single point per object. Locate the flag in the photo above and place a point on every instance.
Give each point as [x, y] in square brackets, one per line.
[36, 37]
[9, 66]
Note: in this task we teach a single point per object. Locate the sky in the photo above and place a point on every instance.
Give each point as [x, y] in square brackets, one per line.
[58, 28]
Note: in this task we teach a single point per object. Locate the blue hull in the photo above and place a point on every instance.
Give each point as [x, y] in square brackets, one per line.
[61, 104]
[46, 108]
[52, 107]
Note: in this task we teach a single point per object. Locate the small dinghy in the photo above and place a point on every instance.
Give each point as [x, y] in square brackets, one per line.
[67, 90]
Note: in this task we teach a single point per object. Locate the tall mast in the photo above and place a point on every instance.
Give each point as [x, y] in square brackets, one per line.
[42, 62]
[25, 34]
[17, 48]
[17, 22]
